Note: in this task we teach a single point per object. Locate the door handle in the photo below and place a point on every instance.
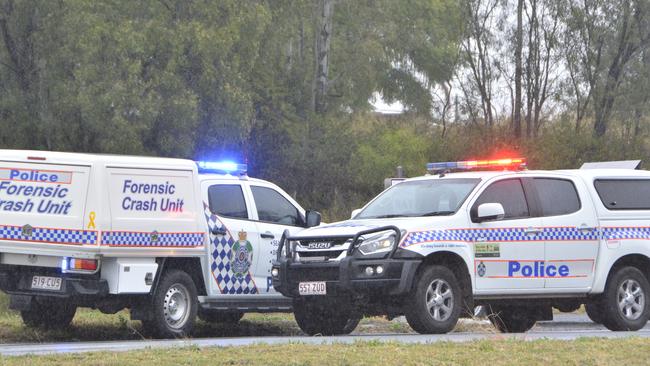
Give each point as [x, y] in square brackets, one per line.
[218, 231]
[585, 228]
[267, 235]
[532, 231]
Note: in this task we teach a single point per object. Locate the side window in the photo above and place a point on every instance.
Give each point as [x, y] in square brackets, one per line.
[273, 207]
[557, 196]
[619, 194]
[510, 194]
[227, 201]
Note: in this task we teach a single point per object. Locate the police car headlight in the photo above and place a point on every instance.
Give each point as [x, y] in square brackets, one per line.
[382, 242]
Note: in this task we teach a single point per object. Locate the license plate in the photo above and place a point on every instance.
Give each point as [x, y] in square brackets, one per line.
[312, 288]
[46, 283]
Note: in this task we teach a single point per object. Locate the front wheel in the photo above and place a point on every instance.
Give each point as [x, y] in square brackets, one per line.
[316, 316]
[435, 302]
[512, 319]
[56, 314]
[625, 302]
[173, 307]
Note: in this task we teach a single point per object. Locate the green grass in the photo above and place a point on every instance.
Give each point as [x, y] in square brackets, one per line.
[631, 351]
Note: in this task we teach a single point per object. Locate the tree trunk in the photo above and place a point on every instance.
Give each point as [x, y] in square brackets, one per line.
[323, 40]
[518, 70]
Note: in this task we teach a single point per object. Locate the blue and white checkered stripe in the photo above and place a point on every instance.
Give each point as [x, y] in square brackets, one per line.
[613, 233]
[221, 251]
[149, 239]
[48, 235]
[499, 234]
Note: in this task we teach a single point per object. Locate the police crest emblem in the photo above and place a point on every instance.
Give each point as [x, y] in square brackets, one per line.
[480, 269]
[241, 256]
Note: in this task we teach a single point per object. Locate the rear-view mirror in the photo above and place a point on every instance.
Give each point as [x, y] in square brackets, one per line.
[490, 212]
[355, 212]
[313, 218]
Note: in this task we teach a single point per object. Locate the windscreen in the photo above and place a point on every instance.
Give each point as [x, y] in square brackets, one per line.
[431, 197]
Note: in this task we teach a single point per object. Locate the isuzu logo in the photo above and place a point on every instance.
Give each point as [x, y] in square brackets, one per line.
[319, 245]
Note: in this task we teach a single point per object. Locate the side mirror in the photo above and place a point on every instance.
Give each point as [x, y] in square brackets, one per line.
[313, 218]
[355, 212]
[490, 211]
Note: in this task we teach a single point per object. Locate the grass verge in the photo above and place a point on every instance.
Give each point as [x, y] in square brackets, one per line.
[92, 325]
[504, 352]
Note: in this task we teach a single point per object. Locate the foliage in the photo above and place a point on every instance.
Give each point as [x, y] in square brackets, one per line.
[288, 86]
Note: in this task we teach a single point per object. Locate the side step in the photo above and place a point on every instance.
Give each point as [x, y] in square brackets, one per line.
[279, 305]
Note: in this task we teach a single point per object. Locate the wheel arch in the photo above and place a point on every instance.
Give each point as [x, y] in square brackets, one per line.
[459, 267]
[638, 261]
[190, 265]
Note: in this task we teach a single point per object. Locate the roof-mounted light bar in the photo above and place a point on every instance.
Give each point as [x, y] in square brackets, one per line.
[496, 164]
[227, 167]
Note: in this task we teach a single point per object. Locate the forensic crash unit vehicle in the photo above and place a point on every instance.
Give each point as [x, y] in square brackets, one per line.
[518, 242]
[166, 238]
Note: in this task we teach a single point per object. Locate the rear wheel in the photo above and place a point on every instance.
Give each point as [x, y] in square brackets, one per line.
[220, 316]
[174, 306]
[625, 302]
[511, 319]
[56, 314]
[435, 303]
[324, 317]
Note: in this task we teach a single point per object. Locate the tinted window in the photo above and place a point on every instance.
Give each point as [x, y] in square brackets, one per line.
[624, 194]
[557, 196]
[227, 200]
[273, 207]
[510, 194]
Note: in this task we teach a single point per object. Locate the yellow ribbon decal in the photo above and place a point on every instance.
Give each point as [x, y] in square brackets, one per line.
[91, 223]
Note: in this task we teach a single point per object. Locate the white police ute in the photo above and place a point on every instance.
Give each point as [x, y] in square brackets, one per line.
[479, 233]
[167, 238]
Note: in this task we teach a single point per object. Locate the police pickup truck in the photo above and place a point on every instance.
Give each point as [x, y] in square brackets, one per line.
[476, 233]
[167, 238]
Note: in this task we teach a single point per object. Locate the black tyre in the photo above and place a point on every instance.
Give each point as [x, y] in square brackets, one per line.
[435, 302]
[625, 302]
[173, 306]
[220, 316]
[48, 314]
[324, 317]
[511, 319]
[594, 312]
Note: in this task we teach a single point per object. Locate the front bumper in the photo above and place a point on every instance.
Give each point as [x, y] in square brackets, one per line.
[348, 277]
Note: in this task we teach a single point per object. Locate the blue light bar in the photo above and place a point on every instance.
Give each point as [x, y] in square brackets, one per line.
[222, 167]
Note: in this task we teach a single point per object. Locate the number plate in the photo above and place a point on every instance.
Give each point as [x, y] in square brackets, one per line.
[46, 283]
[312, 288]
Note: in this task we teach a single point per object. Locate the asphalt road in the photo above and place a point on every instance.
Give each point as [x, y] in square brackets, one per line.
[564, 327]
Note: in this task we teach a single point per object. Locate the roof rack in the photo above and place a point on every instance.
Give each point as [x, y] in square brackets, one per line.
[620, 164]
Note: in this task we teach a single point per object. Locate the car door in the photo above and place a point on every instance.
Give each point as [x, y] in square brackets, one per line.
[275, 211]
[570, 232]
[507, 251]
[233, 238]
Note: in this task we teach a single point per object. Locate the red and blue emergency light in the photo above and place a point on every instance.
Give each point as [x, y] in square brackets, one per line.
[495, 164]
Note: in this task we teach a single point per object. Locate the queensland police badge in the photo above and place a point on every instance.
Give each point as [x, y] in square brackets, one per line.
[241, 256]
[480, 269]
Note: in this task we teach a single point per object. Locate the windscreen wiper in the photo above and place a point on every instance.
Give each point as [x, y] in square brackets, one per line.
[438, 213]
[389, 216]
